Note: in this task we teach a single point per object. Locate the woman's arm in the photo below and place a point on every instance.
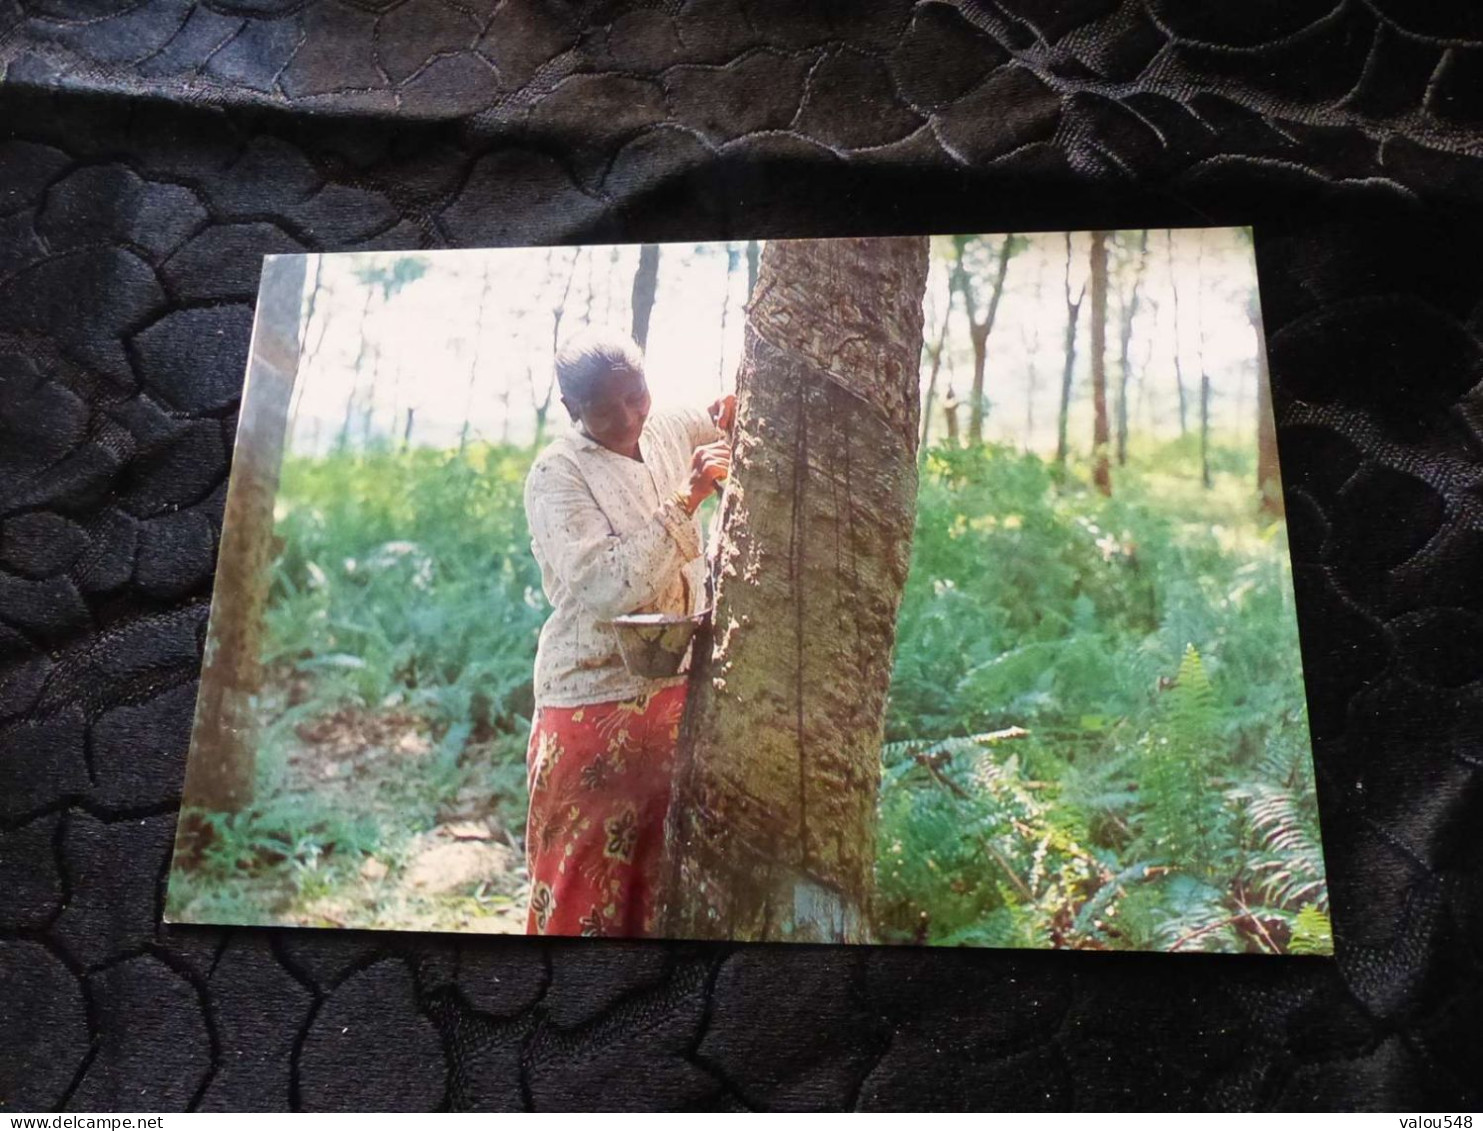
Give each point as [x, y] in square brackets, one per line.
[608, 574]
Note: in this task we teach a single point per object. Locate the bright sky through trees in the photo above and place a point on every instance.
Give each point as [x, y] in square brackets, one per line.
[470, 338]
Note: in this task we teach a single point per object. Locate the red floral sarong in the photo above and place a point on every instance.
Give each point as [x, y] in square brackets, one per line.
[599, 779]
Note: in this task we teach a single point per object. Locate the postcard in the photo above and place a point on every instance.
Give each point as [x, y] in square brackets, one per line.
[910, 590]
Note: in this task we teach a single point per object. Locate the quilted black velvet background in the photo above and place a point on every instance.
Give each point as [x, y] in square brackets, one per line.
[150, 153]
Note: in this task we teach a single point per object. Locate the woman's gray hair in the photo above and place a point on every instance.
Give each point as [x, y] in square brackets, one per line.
[590, 355]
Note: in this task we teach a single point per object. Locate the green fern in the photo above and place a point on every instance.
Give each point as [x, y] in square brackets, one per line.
[1284, 866]
[1182, 811]
[1312, 933]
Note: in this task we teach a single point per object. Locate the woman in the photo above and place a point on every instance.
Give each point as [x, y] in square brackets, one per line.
[611, 508]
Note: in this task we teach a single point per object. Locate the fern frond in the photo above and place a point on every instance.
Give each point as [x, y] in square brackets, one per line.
[1312, 933]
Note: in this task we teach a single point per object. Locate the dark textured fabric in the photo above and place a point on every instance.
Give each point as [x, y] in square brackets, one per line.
[150, 153]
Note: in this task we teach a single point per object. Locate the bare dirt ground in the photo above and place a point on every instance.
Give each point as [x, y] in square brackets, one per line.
[430, 850]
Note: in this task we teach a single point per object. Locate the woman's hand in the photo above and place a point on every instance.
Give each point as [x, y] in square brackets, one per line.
[709, 466]
[723, 412]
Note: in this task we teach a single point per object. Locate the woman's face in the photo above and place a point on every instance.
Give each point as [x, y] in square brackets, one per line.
[615, 410]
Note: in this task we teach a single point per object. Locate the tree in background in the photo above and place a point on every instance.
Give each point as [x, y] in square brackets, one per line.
[1178, 355]
[542, 403]
[1130, 301]
[1205, 392]
[468, 404]
[934, 354]
[974, 266]
[389, 279]
[1101, 473]
[772, 828]
[645, 286]
[1073, 311]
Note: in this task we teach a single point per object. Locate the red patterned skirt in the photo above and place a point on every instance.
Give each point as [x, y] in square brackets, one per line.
[599, 778]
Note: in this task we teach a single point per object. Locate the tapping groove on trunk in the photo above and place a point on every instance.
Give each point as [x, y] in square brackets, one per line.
[772, 833]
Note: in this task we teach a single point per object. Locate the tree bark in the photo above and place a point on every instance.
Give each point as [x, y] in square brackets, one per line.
[1101, 434]
[772, 829]
[645, 285]
[219, 774]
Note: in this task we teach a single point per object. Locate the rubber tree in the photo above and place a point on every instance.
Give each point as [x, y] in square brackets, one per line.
[645, 286]
[772, 830]
[1101, 472]
[1068, 366]
[1129, 307]
[220, 771]
[980, 323]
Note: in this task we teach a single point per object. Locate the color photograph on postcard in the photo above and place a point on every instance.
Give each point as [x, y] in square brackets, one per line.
[910, 590]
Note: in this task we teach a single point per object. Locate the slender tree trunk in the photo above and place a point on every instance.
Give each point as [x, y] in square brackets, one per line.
[615, 257]
[1101, 434]
[591, 288]
[772, 828]
[1073, 310]
[1268, 478]
[1178, 363]
[219, 775]
[645, 284]
[407, 428]
[542, 405]
[360, 358]
[754, 253]
[979, 335]
[1030, 338]
[1124, 369]
[934, 355]
[980, 343]
[468, 401]
[1032, 381]
[1205, 477]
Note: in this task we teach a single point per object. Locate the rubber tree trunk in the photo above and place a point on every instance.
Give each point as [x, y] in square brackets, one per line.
[772, 829]
[219, 774]
[645, 285]
[1101, 433]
